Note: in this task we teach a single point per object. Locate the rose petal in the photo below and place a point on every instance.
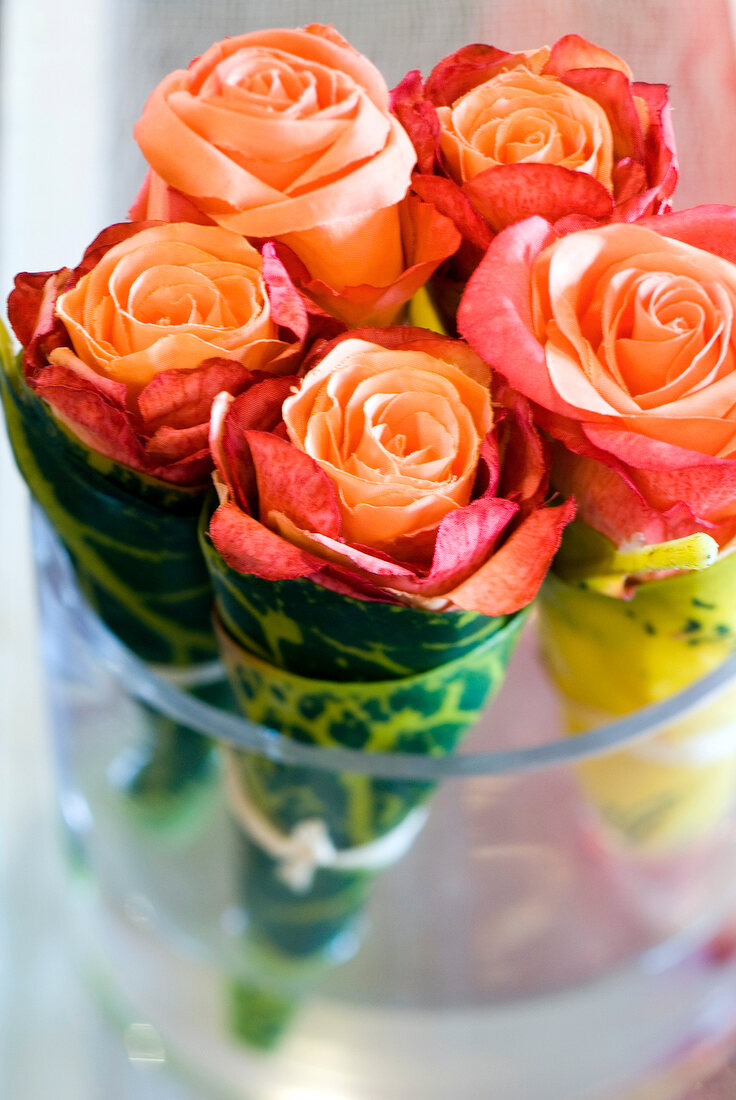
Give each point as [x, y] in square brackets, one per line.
[97, 422]
[465, 538]
[469, 66]
[617, 502]
[449, 199]
[172, 444]
[495, 312]
[183, 398]
[159, 202]
[508, 193]
[629, 182]
[660, 148]
[290, 482]
[711, 227]
[249, 547]
[611, 89]
[257, 408]
[574, 52]
[418, 117]
[428, 239]
[523, 476]
[511, 578]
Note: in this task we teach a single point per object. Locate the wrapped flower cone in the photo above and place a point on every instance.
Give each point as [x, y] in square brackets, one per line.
[390, 647]
[316, 831]
[622, 337]
[610, 656]
[107, 410]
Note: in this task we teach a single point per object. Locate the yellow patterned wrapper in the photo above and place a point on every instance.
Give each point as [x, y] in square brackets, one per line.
[610, 656]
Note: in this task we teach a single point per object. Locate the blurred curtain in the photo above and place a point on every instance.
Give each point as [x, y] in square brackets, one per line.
[75, 78]
[686, 45]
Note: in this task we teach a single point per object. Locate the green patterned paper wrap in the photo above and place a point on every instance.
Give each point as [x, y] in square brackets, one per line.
[134, 548]
[311, 630]
[610, 656]
[332, 671]
[426, 713]
[132, 540]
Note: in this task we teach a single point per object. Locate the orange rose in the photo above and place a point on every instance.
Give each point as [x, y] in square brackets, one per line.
[398, 432]
[386, 476]
[169, 297]
[522, 116]
[286, 134]
[130, 348]
[623, 336]
[561, 131]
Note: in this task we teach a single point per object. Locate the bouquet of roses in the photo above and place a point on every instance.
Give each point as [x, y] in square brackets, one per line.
[371, 562]
[389, 498]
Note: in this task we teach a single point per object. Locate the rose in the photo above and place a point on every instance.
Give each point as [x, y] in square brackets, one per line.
[561, 132]
[399, 435]
[131, 347]
[623, 336]
[170, 295]
[386, 475]
[286, 134]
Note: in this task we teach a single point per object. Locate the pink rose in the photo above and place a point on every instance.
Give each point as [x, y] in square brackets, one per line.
[624, 337]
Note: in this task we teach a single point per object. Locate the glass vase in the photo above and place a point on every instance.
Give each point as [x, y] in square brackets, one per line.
[513, 946]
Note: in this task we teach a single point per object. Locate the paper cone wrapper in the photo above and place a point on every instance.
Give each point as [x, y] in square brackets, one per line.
[610, 657]
[426, 713]
[331, 671]
[132, 539]
[133, 545]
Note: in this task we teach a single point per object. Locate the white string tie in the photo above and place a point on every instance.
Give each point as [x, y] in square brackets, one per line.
[300, 853]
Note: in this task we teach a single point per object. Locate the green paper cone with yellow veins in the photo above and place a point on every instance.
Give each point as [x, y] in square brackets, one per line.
[610, 656]
[403, 702]
[380, 531]
[395, 692]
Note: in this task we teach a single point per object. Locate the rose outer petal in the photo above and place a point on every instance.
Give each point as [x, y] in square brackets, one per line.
[428, 239]
[451, 200]
[495, 312]
[99, 423]
[574, 52]
[418, 117]
[257, 408]
[469, 66]
[511, 578]
[465, 538]
[711, 227]
[290, 482]
[610, 88]
[249, 547]
[172, 444]
[508, 193]
[182, 398]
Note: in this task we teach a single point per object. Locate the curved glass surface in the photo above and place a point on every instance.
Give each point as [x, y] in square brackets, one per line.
[144, 683]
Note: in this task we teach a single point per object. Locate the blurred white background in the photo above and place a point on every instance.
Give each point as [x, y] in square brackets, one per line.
[74, 78]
